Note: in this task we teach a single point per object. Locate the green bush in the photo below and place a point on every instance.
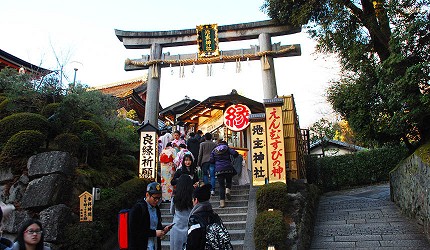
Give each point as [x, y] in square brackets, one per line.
[21, 145]
[126, 162]
[68, 142]
[270, 230]
[50, 109]
[105, 217]
[362, 168]
[12, 124]
[92, 142]
[272, 196]
[84, 235]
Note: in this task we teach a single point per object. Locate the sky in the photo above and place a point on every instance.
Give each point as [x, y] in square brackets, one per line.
[81, 34]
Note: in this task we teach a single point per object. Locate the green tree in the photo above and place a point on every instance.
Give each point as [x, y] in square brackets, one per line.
[383, 48]
[322, 131]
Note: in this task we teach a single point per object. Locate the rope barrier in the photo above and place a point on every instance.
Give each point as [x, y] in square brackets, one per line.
[205, 60]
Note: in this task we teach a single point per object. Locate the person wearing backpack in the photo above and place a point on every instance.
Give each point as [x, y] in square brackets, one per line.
[205, 228]
[221, 156]
[145, 221]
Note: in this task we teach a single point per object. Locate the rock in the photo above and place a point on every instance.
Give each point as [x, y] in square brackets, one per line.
[54, 219]
[51, 162]
[5, 175]
[13, 222]
[46, 191]
[16, 191]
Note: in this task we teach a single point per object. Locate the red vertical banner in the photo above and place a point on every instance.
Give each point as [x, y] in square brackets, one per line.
[275, 144]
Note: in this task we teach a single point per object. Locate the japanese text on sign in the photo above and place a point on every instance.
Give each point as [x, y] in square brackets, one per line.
[207, 40]
[259, 152]
[148, 157]
[85, 207]
[275, 144]
[236, 117]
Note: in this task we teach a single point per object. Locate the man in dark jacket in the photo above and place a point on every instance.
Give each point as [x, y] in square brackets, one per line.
[202, 211]
[145, 221]
[203, 161]
[222, 156]
[193, 145]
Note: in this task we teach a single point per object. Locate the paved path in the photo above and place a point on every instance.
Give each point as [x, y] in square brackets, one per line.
[365, 218]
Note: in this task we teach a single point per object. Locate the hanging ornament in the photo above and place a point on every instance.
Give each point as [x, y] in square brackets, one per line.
[209, 69]
[181, 70]
[171, 70]
[223, 65]
[238, 66]
[266, 64]
[154, 70]
[193, 68]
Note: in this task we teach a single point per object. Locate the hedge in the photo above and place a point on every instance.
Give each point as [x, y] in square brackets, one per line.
[68, 142]
[270, 229]
[361, 168]
[272, 196]
[20, 146]
[50, 109]
[12, 124]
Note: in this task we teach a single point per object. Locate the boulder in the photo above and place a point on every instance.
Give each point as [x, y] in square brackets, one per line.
[5, 175]
[51, 162]
[54, 219]
[16, 192]
[13, 222]
[47, 191]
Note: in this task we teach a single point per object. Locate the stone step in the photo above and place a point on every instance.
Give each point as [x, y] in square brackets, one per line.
[236, 234]
[231, 209]
[167, 219]
[234, 197]
[165, 207]
[237, 245]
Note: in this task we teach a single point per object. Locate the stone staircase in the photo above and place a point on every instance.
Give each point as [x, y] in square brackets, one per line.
[233, 215]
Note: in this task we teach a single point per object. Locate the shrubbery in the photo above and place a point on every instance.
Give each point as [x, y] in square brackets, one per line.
[270, 227]
[50, 109]
[272, 196]
[270, 230]
[12, 124]
[21, 145]
[362, 168]
[68, 142]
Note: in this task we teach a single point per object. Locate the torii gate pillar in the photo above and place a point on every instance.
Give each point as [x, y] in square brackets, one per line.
[153, 87]
[267, 67]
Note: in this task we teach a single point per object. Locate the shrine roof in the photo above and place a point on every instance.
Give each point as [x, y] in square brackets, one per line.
[9, 60]
[124, 88]
[220, 102]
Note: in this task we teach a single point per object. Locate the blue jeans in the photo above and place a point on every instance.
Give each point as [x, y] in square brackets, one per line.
[209, 169]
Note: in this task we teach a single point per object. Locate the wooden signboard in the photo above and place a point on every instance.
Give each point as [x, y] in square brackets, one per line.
[85, 207]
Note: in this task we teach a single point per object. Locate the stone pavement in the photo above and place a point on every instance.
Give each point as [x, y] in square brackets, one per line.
[365, 218]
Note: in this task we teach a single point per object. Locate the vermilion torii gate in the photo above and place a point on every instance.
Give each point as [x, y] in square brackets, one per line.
[156, 40]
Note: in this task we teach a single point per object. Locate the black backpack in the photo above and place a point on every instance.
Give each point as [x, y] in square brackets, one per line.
[217, 235]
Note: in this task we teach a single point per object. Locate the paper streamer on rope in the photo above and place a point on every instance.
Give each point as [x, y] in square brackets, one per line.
[155, 70]
[238, 66]
[266, 64]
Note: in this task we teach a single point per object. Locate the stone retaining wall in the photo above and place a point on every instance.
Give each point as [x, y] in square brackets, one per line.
[410, 184]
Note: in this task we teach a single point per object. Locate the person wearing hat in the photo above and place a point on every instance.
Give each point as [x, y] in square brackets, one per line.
[145, 221]
[202, 211]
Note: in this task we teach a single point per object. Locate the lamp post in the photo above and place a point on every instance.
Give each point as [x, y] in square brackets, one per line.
[74, 78]
[76, 65]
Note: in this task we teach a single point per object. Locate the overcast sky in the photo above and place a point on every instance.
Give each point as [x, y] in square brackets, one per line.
[81, 32]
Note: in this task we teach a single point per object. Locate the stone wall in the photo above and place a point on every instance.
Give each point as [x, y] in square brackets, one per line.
[410, 189]
[42, 192]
